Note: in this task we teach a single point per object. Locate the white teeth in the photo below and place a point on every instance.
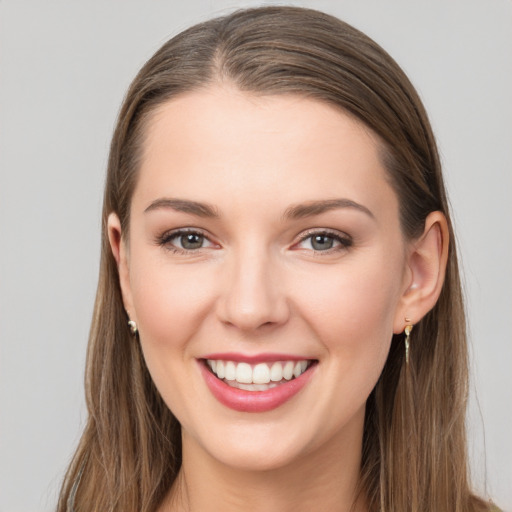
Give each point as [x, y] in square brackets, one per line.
[220, 370]
[287, 371]
[230, 370]
[276, 372]
[243, 373]
[259, 377]
[261, 374]
[252, 387]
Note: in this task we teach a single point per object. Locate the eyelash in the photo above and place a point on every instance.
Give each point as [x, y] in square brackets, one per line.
[344, 240]
[165, 240]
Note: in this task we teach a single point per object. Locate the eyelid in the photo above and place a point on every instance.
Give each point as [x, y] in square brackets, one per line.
[345, 240]
[165, 238]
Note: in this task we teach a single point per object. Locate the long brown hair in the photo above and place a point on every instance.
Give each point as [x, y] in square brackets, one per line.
[414, 446]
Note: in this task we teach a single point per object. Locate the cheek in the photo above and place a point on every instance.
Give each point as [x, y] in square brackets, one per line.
[352, 310]
[170, 302]
[352, 315]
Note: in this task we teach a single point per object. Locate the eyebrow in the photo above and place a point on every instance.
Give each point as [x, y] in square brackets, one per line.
[317, 207]
[185, 206]
[297, 211]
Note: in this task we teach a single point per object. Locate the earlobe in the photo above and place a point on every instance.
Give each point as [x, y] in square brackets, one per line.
[426, 262]
[119, 251]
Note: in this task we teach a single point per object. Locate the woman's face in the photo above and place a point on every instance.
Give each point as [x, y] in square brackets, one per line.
[264, 240]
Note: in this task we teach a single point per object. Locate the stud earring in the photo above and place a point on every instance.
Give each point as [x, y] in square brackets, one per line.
[407, 331]
[133, 327]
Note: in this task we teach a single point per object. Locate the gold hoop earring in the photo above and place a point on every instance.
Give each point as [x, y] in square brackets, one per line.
[133, 327]
[407, 330]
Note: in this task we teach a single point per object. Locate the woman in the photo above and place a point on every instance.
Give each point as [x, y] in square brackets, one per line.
[279, 321]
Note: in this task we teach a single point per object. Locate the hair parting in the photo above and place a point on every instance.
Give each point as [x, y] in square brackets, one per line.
[414, 445]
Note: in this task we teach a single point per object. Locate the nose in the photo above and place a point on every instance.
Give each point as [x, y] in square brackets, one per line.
[252, 294]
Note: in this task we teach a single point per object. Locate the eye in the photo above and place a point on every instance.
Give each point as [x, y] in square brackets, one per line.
[324, 241]
[190, 241]
[184, 240]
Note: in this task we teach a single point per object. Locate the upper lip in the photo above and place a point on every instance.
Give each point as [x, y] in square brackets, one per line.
[255, 358]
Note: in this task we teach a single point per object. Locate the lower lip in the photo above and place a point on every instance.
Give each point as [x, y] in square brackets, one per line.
[254, 401]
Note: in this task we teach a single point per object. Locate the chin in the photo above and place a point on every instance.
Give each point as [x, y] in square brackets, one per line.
[264, 446]
[254, 458]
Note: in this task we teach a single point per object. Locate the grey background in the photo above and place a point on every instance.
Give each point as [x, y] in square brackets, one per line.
[64, 67]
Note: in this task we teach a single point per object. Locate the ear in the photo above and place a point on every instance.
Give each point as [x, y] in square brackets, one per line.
[120, 253]
[426, 268]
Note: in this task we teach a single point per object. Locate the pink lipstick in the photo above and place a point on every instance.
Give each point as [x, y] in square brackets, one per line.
[255, 383]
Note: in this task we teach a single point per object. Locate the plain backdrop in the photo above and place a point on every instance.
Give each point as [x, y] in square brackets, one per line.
[64, 68]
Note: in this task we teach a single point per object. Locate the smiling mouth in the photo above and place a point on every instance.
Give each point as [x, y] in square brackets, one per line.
[257, 377]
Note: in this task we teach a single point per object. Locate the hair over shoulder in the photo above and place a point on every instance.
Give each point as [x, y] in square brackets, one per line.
[414, 444]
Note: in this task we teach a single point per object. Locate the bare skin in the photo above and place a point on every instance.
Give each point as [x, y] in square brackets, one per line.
[300, 486]
[227, 255]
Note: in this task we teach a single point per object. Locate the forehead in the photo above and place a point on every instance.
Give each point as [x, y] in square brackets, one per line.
[285, 148]
[230, 119]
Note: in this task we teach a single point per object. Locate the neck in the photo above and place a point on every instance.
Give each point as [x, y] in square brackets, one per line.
[325, 479]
